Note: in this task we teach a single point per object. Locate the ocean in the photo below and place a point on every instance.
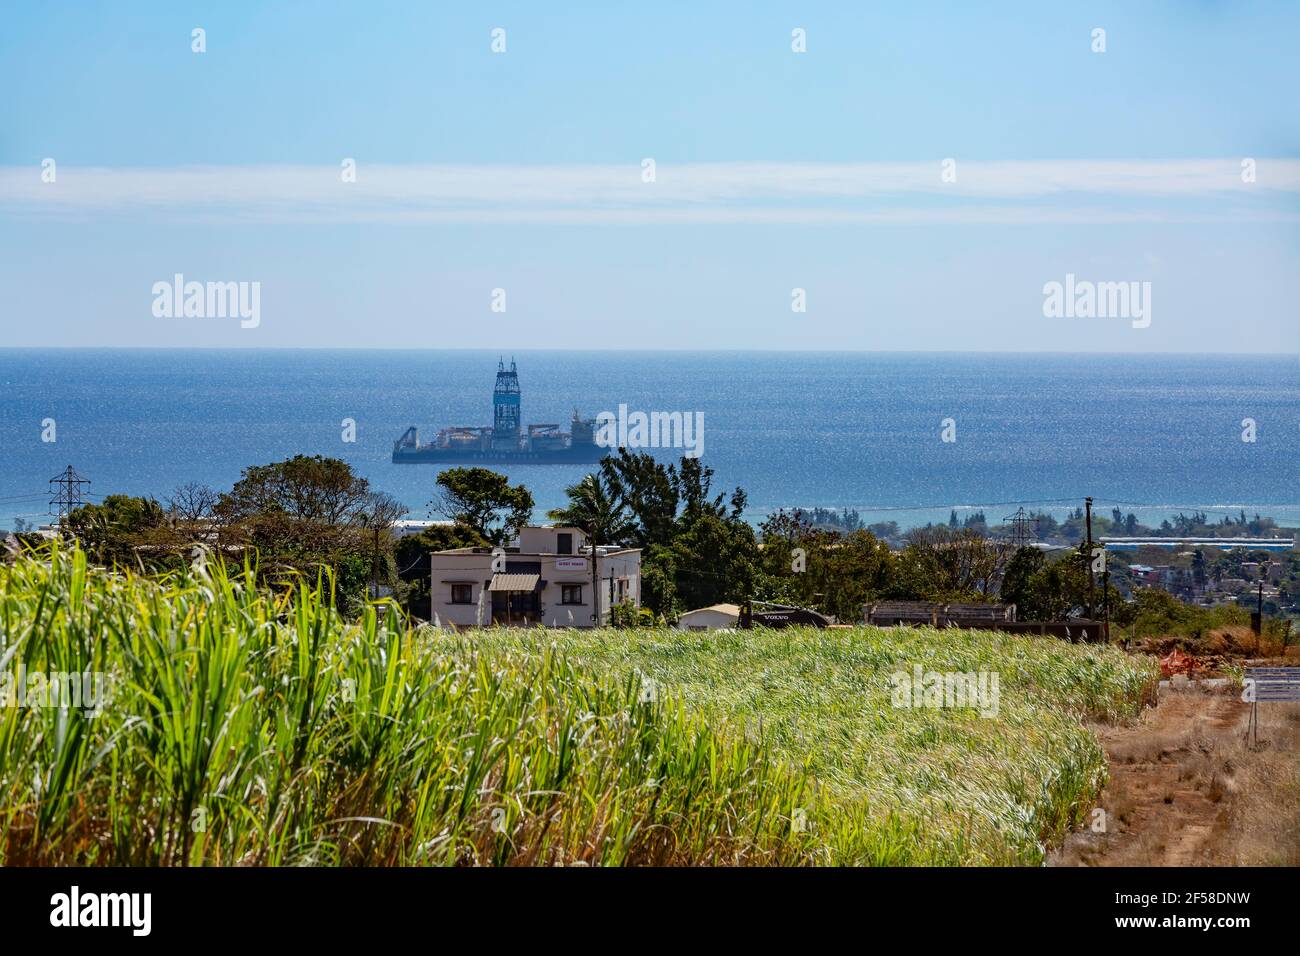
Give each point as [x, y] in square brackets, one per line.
[1152, 434]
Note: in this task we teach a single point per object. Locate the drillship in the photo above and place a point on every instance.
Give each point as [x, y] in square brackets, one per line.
[504, 441]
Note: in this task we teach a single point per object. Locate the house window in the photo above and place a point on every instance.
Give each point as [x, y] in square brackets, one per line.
[462, 594]
[570, 593]
[564, 543]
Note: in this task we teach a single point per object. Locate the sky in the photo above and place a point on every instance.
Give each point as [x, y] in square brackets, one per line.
[913, 179]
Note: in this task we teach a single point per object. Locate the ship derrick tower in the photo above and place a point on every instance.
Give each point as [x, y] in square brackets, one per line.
[505, 408]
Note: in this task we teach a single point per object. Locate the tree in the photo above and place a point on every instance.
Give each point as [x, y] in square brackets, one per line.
[659, 582]
[412, 551]
[696, 549]
[1199, 578]
[1045, 590]
[413, 567]
[307, 513]
[305, 509]
[191, 503]
[113, 529]
[314, 490]
[596, 507]
[714, 561]
[693, 482]
[376, 515]
[942, 564]
[836, 573]
[884, 529]
[484, 501]
[1018, 580]
[663, 498]
[191, 514]
[649, 490]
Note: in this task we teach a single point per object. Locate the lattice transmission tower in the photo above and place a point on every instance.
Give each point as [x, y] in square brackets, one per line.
[66, 496]
[1020, 532]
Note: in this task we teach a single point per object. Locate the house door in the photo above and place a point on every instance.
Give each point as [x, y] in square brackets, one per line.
[516, 607]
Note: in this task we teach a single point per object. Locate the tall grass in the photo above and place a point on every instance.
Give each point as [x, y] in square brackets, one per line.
[923, 786]
[247, 728]
[252, 728]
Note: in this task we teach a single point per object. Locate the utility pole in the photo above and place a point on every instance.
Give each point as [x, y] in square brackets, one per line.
[67, 496]
[1087, 504]
[1258, 616]
[595, 581]
[1105, 602]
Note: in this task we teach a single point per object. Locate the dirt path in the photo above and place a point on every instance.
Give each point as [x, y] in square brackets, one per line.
[1186, 790]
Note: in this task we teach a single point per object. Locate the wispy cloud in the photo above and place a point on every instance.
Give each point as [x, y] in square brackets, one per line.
[805, 193]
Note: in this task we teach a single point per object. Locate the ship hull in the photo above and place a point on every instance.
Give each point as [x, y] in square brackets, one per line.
[429, 455]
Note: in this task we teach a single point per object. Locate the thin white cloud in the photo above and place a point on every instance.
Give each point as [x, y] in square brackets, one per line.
[902, 193]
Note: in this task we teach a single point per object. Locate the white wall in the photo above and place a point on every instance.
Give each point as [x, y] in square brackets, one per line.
[707, 618]
[476, 569]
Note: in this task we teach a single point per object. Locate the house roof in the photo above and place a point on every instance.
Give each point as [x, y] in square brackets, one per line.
[731, 609]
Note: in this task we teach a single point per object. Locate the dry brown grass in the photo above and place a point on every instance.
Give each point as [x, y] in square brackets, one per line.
[1229, 640]
[1187, 789]
[1263, 821]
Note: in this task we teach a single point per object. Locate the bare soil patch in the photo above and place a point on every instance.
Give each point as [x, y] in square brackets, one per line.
[1187, 788]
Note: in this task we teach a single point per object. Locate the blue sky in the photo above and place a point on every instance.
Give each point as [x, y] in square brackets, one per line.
[775, 170]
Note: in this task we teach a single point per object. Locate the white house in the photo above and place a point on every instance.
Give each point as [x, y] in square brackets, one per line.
[543, 580]
[709, 618]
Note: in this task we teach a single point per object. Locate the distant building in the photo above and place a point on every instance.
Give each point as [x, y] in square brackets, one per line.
[408, 526]
[710, 618]
[922, 613]
[543, 580]
[1250, 544]
[1273, 570]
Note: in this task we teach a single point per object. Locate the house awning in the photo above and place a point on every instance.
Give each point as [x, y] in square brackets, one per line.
[514, 582]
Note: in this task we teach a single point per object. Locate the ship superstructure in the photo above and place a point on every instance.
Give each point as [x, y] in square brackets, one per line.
[505, 440]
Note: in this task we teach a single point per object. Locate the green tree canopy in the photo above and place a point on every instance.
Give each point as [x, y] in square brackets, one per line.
[485, 501]
[1018, 581]
[412, 551]
[596, 506]
[302, 511]
[113, 529]
[832, 571]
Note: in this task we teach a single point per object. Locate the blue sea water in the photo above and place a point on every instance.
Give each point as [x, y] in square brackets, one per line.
[1153, 434]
